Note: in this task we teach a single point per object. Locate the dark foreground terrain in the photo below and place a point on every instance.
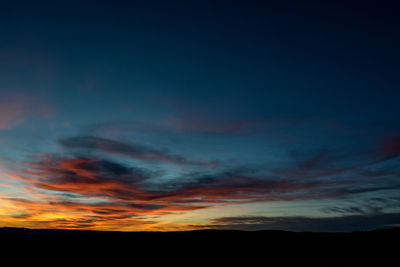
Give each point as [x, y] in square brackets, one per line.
[261, 248]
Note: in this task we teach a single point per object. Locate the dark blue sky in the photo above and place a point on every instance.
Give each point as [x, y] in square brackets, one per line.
[168, 115]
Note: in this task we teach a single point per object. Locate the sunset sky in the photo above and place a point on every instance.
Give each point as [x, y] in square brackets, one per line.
[183, 115]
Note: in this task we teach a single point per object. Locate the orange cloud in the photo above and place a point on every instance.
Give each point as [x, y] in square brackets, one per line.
[93, 193]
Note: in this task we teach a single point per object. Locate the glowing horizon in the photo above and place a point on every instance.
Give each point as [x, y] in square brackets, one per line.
[139, 117]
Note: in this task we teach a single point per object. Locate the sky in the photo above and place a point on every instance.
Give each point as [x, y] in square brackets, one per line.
[186, 115]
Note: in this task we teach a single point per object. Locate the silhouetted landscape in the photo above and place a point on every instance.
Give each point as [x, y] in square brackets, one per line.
[372, 248]
[254, 133]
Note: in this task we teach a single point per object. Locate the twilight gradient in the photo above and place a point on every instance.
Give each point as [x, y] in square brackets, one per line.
[170, 115]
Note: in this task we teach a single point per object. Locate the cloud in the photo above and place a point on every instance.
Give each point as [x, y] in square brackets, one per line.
[390, 147]
[297, 223]
[118, 190]
[90, 177]
[71, 215]
[13, 111]
[88, 188]
[136, 151]
[16, 109]
[371, 206]
[344, 210]
[320, 164]
[210, 126]
[113, 181]
[224, 187]
[330, 163]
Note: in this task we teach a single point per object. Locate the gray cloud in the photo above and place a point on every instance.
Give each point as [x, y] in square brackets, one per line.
[327, 224]
[136, 151]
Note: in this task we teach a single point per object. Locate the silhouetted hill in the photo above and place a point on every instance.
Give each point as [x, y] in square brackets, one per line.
[374, 248]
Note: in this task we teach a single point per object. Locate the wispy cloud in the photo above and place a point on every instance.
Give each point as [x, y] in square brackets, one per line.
[13, 111]
[79, 187]
[136, 151]
[212, 126]
[390, 146]
[324, 224]
[17, 108]
[371, 206]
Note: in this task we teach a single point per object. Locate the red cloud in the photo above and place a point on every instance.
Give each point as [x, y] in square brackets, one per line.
[94, 178]
[391, 147]
[127, 196]
[15, 109]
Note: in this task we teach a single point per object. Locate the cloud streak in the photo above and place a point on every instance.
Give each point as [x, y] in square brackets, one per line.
[13, 111]
[297, 223]
[18, 108]
[136, 151]
[207, 126]
[82, 188]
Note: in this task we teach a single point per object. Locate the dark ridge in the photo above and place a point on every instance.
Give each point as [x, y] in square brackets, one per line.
[21, 230]
[277, 248]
